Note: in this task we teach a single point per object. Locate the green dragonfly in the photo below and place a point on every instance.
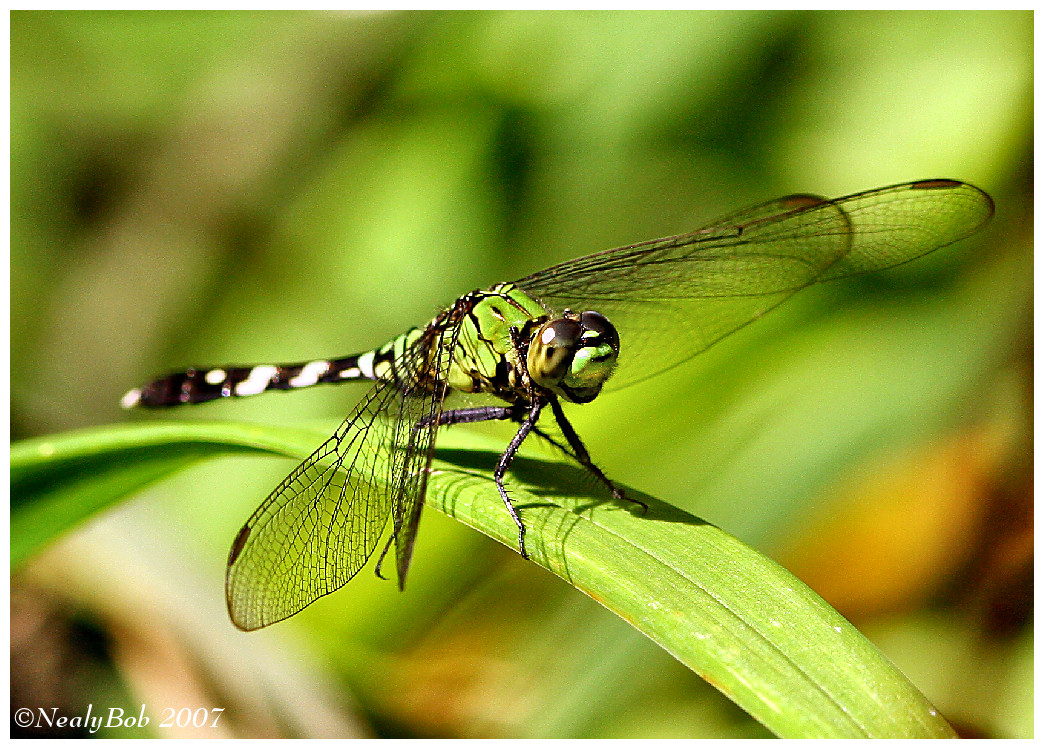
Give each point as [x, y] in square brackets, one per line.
[557, 335]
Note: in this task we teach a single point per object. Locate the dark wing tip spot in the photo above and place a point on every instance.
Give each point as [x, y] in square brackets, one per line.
[935, 184]
[801, 200]
[238, 544]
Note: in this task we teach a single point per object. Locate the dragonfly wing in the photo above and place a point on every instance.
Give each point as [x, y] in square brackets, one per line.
[415, 427]
[322, 523]
[672, 298]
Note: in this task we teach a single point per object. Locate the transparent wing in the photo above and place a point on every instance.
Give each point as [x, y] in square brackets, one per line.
[322, 523]
[415, 428]
[672, 298]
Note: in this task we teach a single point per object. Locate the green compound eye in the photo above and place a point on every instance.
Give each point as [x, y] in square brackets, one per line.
[594, 360]
[574, 356]
[552, 350]
[598, 331]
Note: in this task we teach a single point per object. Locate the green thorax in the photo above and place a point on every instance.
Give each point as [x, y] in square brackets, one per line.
[484, 357]
[570, 356]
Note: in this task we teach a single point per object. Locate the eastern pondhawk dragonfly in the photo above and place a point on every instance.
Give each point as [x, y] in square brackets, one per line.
[557, 335]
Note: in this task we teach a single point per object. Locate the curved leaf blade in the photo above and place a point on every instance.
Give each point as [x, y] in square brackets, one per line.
[732, 615]
[735, 617]
[59, 481]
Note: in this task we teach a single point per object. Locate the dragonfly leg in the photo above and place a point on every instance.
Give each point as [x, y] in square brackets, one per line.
[474, 415]
[582, 456]
[470, 416]
[380, 560]
[552, 441]
[505, 460]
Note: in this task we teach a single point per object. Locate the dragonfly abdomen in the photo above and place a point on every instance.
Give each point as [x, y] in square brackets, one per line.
[202, 384]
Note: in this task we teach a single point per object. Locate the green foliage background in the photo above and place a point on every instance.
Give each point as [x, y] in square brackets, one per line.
[214, 187]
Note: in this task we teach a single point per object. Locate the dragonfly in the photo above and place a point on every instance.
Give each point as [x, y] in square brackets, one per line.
[525, 347]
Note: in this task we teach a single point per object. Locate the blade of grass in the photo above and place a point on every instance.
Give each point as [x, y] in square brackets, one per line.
[732, 615]
[57, 482]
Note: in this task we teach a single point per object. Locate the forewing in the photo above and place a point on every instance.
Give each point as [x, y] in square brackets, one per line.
[322, 523]
[415, 428]
[672, 298]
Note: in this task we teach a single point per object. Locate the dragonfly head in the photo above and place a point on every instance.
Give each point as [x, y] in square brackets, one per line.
[574, 355]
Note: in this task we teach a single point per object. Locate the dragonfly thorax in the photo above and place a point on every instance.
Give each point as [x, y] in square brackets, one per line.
[574, 355]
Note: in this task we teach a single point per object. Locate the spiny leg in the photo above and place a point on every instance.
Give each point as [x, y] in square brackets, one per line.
[582, 456]
[505, 460]
[473, 416]
[495, 413]
[553, 442]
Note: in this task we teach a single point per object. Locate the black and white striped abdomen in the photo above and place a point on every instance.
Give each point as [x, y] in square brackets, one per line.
[199, 385]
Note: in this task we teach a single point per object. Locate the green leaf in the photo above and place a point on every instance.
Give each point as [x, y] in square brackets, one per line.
[57, 482]
[733, 616]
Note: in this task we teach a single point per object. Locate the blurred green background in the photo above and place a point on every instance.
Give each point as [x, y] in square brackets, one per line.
[215, 187]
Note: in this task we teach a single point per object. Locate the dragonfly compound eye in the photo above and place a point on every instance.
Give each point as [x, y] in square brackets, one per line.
[574, 356]
[599, 331]
[594, 360]
[551, 352]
